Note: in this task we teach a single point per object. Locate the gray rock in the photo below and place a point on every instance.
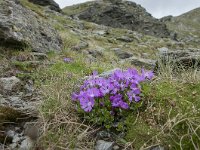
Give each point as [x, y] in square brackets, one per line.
[51, 3]
[80, 46]
[116, 147]
[39, 56]
[123, 14]
[125, 39]
[100, 32]
[10, 84]
[32, 131]
[96, 53]
[103, 135]
[141, 62]
[163, 49]
[26, 144]
[2, 99]
[21, 28]
[108, 73]
[103, 145]
[158, 148]
[122, 54]
[186, 59]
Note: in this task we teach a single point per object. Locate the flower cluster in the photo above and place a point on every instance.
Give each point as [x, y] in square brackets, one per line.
[118, 90]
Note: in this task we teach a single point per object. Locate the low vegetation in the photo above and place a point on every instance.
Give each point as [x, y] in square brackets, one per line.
[167, 114]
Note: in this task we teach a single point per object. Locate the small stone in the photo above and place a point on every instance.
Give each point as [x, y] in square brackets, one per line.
[116, 147]
[2, 100]
[122, 54]
[16, 138]
[80, 46]
[158, 148]
[39, 56]
[103, 134]
[125, 39]
[26, 144]
[103, 145]
[163, 49]
[108, 73]
[10, 133]
[9, 84]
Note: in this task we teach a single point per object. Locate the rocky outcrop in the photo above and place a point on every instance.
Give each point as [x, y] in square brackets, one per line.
[20, 28]
[141, 62]
[122, 14]
[51, 3]
[18, 106]
[184, 59]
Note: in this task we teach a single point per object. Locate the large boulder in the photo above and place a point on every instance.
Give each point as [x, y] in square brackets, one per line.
[51, 3]
[21, 27]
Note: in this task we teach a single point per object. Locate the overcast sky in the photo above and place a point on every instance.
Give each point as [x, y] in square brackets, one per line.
[158, 8]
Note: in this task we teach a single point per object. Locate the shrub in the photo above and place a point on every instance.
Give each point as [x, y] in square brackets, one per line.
[106, 100]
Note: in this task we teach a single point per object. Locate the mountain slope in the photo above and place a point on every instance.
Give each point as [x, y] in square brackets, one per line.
[119, 14]
[186, 25]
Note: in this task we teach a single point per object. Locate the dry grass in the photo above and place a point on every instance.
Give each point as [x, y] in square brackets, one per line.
[62, 128]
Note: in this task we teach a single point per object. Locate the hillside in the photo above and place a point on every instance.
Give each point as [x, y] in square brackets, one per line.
[187, 26]
[46, 54]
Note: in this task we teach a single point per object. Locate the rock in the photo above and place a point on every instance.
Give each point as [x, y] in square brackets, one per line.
[125, 39]
[108, 73]
[10, 84]
[101, 32]
[96, 53]
[157, 148]
[2, 99]
[26, 144]
[122, 54]
[103, 145]
[39, 56]
[163, 49]
[122, 14]
[116, 147]
[141, 62]
[21, 28]
[166, 18]
[80, 46]
[31, 131]
[103, 135]
[184, 58]
[51, 3]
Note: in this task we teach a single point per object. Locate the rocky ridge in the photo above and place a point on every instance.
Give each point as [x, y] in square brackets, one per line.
[109, 13]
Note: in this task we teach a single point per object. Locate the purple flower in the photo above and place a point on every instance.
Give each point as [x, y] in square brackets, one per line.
[114, 87]
[74, 97]
[67, 60]
[115, 100]
[147, 74]
[132, 94]
[93, 92]
[123, 105]
[87, 104]
[137, 98]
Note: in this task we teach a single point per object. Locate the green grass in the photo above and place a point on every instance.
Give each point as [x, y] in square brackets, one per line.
[36, 8]
[171, 116]
[75, 9]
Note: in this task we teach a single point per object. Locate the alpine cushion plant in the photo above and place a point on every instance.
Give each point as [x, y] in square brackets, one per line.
[103, 100]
